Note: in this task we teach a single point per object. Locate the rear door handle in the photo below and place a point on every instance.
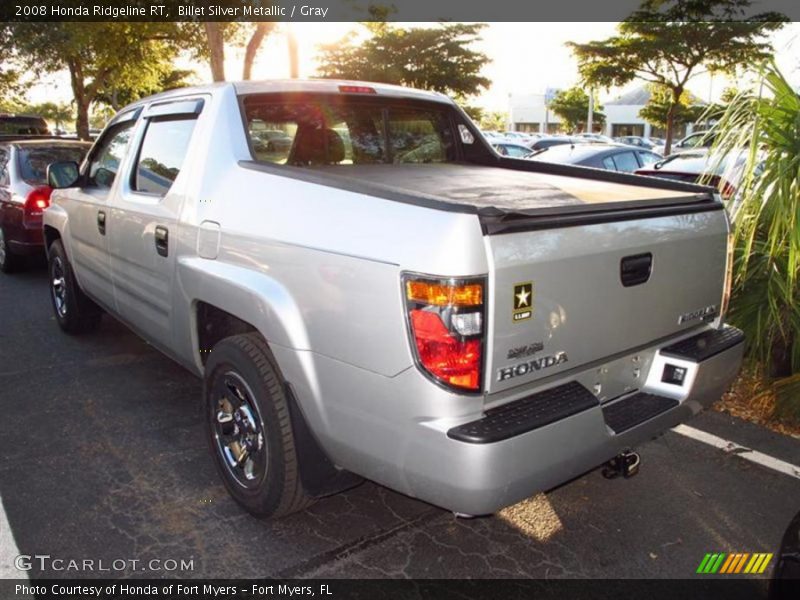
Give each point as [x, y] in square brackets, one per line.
[101, 222]
[162, 240]
[636, 269]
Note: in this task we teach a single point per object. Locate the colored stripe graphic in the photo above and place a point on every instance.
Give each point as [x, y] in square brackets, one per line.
[703, 563]
[727, 564]
[737, 562]
[741, 562]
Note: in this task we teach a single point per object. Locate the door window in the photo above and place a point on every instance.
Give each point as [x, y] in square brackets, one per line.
[626, 162]
[108, 156]
[163, 151]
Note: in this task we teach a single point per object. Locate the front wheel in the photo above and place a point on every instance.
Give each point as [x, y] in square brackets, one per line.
[74, 311]
[249, 428]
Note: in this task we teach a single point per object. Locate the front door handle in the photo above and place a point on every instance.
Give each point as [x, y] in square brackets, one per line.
[101, 222]
[162, 240]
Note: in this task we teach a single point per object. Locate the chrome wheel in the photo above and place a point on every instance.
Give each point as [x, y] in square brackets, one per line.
[238, 430]
[58, 286]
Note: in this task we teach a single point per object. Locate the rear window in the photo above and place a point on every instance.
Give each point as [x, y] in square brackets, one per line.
[333, 130]
[33, 162]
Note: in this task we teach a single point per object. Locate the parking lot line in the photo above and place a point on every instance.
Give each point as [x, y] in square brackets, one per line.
[754, 456]
[8, 549]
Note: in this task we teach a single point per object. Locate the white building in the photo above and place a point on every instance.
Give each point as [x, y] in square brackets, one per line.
[529, 113]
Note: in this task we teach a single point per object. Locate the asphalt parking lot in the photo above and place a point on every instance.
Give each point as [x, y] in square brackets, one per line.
[102, 456]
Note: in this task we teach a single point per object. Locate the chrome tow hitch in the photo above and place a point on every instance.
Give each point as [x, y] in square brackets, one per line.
[626, 464]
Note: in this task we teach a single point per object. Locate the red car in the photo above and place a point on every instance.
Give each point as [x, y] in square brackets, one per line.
[24, 193]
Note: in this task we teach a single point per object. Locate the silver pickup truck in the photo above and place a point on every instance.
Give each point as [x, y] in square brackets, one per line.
[368, 290]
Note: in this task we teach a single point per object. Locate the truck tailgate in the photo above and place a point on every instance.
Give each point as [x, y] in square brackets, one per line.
[563, 297]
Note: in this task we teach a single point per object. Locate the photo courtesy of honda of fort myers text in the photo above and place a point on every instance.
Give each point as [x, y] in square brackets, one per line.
[363, 299]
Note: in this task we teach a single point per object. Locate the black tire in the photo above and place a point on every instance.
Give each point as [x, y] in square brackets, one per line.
[264, 479]
[9, 262]
[74, 311]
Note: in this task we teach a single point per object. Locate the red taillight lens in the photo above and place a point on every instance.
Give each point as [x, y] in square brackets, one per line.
[38, 199]
[446, 322]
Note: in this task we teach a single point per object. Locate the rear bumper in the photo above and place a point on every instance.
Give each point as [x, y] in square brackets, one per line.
[489, 470]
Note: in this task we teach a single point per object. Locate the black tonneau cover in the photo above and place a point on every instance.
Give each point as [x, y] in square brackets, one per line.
[511, 197]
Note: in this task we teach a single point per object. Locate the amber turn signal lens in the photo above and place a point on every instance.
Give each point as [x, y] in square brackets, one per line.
[437, 294]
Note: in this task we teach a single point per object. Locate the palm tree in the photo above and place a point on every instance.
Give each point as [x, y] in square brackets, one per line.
[765, 126]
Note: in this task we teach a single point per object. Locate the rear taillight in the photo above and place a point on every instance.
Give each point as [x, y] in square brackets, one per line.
[446, 321]
[37, 200]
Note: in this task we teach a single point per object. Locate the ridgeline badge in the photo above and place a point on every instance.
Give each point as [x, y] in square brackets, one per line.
[523, 301]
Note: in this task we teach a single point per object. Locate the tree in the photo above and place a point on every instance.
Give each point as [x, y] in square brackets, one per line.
[668, 42]
[764, 128]
[207, 41]
[656, 111]
[59, 114]
[572, 107]
[436, 58]
[117, 96]
[99, 56]
[493, 121]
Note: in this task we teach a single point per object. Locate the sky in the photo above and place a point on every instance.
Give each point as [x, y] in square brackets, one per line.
[526, 58]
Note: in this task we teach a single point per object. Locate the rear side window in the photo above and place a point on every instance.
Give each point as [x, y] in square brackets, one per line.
[33, 161]
[339, 130]
[164, 148]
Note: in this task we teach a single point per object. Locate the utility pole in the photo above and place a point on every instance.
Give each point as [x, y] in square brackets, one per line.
[590, 116]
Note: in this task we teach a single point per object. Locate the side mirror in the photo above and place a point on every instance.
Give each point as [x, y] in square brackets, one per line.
[62, 174]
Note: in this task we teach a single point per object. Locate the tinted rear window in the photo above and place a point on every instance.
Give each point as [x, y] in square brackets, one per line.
[341, 130]
[33, 161]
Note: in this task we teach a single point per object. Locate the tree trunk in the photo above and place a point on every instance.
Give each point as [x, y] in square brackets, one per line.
[216, 50]
[676, 98]
[82, 101]
[262, 29]
[294, 59]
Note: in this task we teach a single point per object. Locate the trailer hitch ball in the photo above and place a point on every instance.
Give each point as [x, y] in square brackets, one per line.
[626, 464]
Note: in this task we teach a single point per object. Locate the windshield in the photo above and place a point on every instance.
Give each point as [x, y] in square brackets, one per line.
[33, 162]
[341, 130]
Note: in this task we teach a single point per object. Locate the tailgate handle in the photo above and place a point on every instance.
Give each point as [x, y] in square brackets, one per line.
[636, 269]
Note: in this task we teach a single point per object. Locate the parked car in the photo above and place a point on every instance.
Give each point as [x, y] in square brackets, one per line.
[639, 141]
[612, 157]
[512, 150]
[554, 140]
[338, 299]
[594, 137]
[519, 137]
[785, 581]
[24, 194]
[268, 140]
[23, 125]
[693, 141]
[699, 166]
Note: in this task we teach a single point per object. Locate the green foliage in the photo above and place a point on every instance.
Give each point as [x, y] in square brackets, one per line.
[99, 56]
[765, 126]
[168, 79]
[657, 108]
[572, 107]
[494, 121]
[432, 58]
[667, 42]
